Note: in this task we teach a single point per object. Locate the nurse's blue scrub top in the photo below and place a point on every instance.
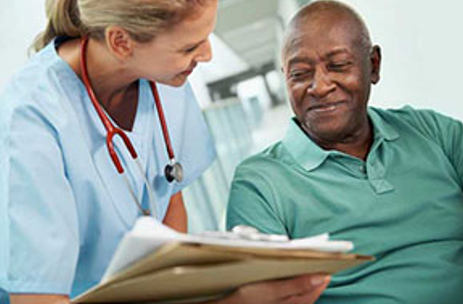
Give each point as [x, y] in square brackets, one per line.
[63, 206]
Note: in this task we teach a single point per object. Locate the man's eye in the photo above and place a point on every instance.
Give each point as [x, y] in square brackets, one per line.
[339, 66]
[299, 74]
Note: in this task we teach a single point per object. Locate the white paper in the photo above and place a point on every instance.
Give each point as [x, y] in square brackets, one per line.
[146, 236]
[149, 234]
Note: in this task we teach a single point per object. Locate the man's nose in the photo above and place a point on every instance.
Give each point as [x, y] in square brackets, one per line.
[321, 84]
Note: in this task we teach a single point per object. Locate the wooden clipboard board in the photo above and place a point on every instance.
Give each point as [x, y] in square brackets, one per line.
[181, 271]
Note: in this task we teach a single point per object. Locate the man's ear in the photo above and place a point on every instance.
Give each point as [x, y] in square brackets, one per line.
[119, 42]
[375, 59]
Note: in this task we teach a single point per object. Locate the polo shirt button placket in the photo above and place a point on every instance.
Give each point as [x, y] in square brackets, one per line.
[363, 169]
[377, 179]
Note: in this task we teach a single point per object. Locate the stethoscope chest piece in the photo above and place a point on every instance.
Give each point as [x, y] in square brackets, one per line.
[174, 172]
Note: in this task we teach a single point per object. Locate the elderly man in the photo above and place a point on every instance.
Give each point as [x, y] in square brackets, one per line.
[388, 180]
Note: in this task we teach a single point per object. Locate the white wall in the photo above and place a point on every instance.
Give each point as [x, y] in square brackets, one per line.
[422, 44]
[421, 41]
[20, 22]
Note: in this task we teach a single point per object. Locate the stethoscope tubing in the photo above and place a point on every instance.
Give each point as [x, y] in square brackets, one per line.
[162, 120]
[110, 128]
[113, 131]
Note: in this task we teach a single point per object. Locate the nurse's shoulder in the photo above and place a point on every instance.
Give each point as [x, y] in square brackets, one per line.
[38, 90]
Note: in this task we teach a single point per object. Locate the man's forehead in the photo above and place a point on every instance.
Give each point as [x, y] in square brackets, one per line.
[328, 23]
[325, 14]
[326, 41]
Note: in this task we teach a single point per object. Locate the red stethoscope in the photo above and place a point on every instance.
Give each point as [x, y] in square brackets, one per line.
[173, 170]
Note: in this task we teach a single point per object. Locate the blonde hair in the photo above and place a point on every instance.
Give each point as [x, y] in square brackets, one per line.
[142, 19]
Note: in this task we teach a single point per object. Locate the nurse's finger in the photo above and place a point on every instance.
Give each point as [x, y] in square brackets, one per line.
[38, 299]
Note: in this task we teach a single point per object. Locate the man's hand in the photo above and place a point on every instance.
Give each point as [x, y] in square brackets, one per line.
[300, 290]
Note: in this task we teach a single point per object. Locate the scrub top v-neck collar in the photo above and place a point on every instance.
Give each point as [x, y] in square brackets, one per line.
[139, 136]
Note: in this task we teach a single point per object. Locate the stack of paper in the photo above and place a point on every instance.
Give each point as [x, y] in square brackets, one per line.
[155, 263]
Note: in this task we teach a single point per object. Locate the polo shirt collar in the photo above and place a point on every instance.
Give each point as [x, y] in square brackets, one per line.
[382, 129]
[304, 151]
[310, 156]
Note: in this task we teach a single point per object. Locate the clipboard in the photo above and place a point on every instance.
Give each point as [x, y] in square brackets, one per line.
[180, 271]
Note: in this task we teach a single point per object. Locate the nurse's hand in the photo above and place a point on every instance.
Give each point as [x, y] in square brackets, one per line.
[39, 299]
[300, 290]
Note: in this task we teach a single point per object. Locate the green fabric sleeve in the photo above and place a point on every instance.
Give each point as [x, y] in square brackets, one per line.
[446, 132]
[252, 203]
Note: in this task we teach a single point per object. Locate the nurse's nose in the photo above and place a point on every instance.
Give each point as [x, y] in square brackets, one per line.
[205, 52]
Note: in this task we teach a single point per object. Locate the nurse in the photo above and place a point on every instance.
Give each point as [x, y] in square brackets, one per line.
[63, 205]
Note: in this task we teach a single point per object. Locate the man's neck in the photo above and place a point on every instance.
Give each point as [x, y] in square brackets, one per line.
[357, 144]
[358, 147]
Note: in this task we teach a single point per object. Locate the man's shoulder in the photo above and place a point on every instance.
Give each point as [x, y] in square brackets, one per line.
[411, 114]
[408, 116]
[425, 124]
[271, 158]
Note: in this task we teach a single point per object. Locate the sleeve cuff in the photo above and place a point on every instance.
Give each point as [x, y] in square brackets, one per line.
[23, 287]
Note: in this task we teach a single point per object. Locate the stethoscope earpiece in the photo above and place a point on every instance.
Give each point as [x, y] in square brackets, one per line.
[174, 172]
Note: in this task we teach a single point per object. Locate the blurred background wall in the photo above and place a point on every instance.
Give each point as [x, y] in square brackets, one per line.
[242, 91]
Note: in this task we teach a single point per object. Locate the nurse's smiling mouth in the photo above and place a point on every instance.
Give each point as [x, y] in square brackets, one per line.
[189, 71]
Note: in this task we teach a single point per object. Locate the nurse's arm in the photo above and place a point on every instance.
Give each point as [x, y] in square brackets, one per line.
[39, 299]
[176, 216]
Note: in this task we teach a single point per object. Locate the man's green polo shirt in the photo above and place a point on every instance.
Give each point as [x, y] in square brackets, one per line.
[404, 205]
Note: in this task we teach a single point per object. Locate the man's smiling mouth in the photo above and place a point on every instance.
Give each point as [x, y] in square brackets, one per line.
[326, 107]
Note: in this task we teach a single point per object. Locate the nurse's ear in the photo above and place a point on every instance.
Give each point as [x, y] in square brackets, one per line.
[119, 42]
